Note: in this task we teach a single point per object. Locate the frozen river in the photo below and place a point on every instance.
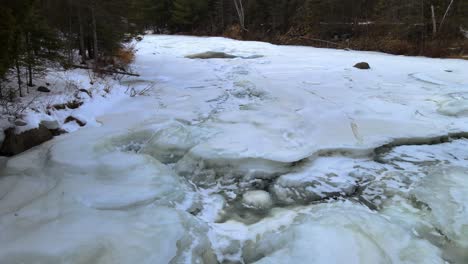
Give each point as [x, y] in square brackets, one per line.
[282, 155]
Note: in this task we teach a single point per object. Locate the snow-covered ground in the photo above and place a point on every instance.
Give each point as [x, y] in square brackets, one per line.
[282, 155]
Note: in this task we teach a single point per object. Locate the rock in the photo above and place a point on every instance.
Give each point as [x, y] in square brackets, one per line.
[258, 200]
[51, 124]
[86, 92]
[74, 119]
[70, 105]
[18, 143]
[43, 89]
[19, 122]
[362, 66]
[211, 55]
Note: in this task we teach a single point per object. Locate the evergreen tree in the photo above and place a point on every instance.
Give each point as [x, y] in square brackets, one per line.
[187, 13]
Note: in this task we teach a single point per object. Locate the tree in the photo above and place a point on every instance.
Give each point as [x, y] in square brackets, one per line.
[240, 13]
[7, 24]
[187, 13]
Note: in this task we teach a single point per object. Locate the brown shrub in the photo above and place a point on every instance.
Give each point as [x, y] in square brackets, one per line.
[126, 55]
[234, 32]
[398, 46]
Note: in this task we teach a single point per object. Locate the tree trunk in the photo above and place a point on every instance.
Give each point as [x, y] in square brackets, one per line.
[82, 43]
[445, 15]
[89, 46]
[30, 61]
[30, 76]
[18, 76]
[95, 39]
[70, 34]
[434, 23]
[240, 13]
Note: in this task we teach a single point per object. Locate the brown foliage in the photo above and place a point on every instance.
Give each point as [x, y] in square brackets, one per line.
[234, 32]
[126, 55]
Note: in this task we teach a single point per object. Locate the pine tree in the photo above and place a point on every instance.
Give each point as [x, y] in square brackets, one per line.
[187, 13]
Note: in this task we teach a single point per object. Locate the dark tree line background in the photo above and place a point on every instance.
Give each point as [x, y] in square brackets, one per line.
[36, 33]
[395, 26]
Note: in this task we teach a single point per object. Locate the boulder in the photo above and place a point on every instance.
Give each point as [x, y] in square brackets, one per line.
[74, 119]
[19, 122]
[18, 143]
[43, 89]
[362, 66]
[70, 105]
[50, 124]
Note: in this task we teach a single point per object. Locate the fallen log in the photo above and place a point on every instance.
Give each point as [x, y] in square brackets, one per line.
[106, 71]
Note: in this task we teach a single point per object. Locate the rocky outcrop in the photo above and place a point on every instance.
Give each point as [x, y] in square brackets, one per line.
[18, 143]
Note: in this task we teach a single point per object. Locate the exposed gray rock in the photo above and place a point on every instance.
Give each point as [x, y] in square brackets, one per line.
[81, 123]
[17, 143]
[362, 66]
[70, 105]
[43, 89]
[51, 124]
[19, 122]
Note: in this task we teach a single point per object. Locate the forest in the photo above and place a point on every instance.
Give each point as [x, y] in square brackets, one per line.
[35, 34]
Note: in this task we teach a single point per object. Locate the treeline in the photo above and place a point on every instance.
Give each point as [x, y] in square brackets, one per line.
[36, 34]
[414, 27]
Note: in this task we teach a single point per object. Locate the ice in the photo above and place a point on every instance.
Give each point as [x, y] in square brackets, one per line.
[428, 79]
[293, 157]
[318, 180]
[454, 105]
[84, 236]
[342, 233]
[77, 200]
[257, 200]
[445, 192]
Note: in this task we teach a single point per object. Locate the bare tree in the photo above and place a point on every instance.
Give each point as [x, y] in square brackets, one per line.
[95, 39]
[82, 42]
[434, 23]
[445, 15]
[240, 13]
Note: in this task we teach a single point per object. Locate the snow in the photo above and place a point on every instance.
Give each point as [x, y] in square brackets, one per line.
[274, 156]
